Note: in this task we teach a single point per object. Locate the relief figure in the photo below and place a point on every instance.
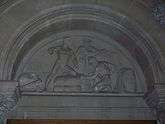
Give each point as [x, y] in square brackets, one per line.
[85, 68]
[64, 56]
[30, 82]
[85, 72]
[126, 81]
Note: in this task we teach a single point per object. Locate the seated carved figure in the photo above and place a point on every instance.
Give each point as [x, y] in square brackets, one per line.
[103, 78]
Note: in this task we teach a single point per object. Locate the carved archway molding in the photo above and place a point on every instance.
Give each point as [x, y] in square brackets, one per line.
[92, 18]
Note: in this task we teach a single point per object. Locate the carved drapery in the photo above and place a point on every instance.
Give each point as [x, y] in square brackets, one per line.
[79, 64]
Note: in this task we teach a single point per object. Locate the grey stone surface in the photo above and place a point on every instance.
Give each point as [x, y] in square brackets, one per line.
[8, 98]
[82, 59]
[82, 107]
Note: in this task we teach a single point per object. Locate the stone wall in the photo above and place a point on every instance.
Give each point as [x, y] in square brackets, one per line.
[112, 39]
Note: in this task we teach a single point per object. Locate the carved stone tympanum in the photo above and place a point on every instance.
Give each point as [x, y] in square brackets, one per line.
[81, 64]
[79, 60]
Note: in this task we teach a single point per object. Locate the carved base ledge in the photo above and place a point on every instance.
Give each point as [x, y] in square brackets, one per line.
[82, 106]
[81, 94]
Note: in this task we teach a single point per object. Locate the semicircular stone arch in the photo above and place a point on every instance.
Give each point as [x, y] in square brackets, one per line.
[130, 39]
[84, 49]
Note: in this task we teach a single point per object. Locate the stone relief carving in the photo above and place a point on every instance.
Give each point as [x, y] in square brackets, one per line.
[30, 82]
[126, 81]
[120, 83]
[84, 68]
[81, 71]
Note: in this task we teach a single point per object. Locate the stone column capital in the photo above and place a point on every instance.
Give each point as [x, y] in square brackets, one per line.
[9, 95]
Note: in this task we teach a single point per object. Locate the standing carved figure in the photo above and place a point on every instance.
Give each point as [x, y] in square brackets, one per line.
[65, 57]
[126, 81]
